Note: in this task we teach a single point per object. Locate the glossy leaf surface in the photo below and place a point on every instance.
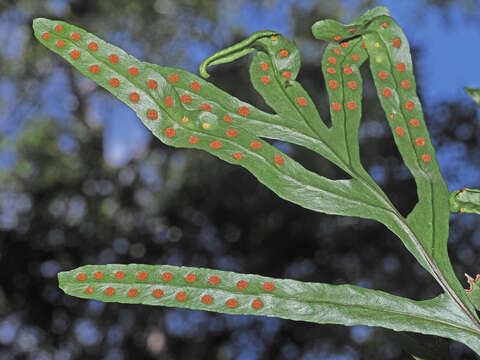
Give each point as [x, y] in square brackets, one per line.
[184, 110]
[233, 293]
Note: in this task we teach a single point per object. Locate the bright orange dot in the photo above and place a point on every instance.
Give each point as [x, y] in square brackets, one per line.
[98, 275]
[213, 280]
[396, 42]
[232, 132]
[331, 70]
[344, 44]
[133, 71]
[336, 106]
[278, 159]
[191, 278]
[186, 99]
[206, 107]
[268, 286]
[352, 29]
[265, 79]
[134, 97]
[94, 47]
[81, 277]
[333, 84]
[287, 74]
[264, 66]
[46, 35]
[114, 82]
[256, 144]
[384, 24]
[207, 299]
[420, 141]
[363, 45]
[89, 290]
[119, 275]
[152, 114]
[237, 156]
[58, 28]
[173, 78]
[257, 304]
[352, 85]
[415, 123]
[193, 140]
[60, 43]
[181, 296]
[401, 67]
[242, 284]
[337, 38]
[232, 303]
[132, 292]
[169, 132]
[243, 110]
[426, 158]
[168, 101]
[157, 293]
[94, 69]
[351, 105]
[383, 75]
[332, 60]
[355, 57]
[167, 276]
[227, 118]
[109, 291]
[75, 54]
[399, 130]
[113, 59]
[283, 53]
[405, 84]
[152, 84]
[75, 36]
[216, 144]
[301, 101]
[337, 51]
[142, 275]
[387, 92]
[195, 86]
[409, 105]
[348, 70]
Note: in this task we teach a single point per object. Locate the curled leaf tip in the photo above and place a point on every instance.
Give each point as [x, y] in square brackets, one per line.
[234, 52]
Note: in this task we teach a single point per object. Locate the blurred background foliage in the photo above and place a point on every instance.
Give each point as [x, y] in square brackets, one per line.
[81, 182]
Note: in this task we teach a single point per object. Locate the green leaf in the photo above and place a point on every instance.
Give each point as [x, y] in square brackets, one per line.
[474, 94]
[183, 110]
[233, 293]
[465, 201]
[427, 226]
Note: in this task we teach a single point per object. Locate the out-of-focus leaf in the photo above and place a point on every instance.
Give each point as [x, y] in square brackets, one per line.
[474, 94]
[474, 291]
[234, 293]
[465, 201]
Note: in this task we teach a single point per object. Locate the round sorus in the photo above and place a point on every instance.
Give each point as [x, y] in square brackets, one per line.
[190, 278]
[75, 54]
[169, 132]
[152, 114]
[46, 35]
[58, 28]
[81, 277]
[168, 101]
[142, 275]
[383, 75]
[242, 284]
[207, 299]
[94, 47]
[243, 110]
[186, 99]
[75, 36]
[231, 303]
[152, 84]
[132, 292]
[231, 132]
[256, 144]
[420, 141]
[134, 97]
[414, 122]
[114, 82]
[109, 291]
[283, 53]
[181, 296]
[268, 286]
[133, 71]
[119, 275]
[400, 131]
[193, 140]
[213, 280]
[98, 275]
[257, 304]
[173, 78]
[94, 69]
[426, 158]
[216, 144]
[157, 293]
[113, 59]
[237, 156]
[60, 43]
[195, 86]
[401, 67]
[88, 290]
[167, 276]
[278, 159]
